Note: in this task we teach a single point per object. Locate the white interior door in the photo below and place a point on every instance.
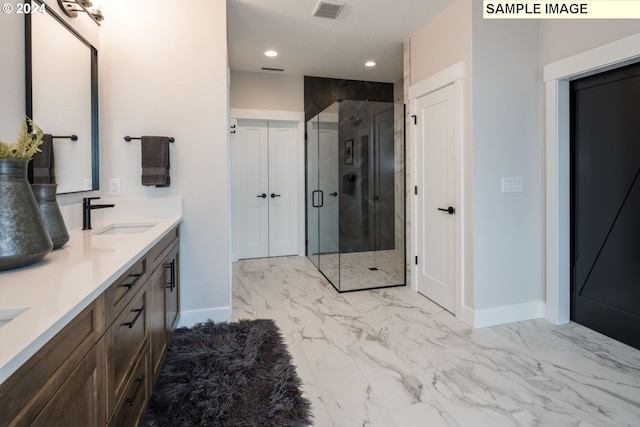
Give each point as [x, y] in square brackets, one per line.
[283, 189]
[251, 189]
[265, 189]
[435, 176]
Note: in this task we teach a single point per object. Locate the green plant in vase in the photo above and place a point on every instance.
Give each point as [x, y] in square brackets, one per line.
[24, 238]
[27, 143]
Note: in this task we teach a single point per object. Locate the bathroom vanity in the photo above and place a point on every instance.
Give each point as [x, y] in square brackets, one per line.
[84, 333]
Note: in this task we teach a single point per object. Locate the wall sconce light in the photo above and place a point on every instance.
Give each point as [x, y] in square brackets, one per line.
[71, 8]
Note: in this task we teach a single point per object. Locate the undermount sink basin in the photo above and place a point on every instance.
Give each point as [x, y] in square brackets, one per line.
[132, 228]
[8, 314]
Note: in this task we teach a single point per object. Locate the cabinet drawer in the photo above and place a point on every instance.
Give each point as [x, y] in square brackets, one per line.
[123, 289]
[133, 402]
[125, 340]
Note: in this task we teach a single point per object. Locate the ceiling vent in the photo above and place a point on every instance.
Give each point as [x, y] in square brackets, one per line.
[328, 9]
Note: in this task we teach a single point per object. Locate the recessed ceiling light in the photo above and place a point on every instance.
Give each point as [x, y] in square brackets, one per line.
[271, 53]
[370, 64]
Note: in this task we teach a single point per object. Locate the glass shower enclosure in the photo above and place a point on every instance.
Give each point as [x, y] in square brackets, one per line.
[355, 194]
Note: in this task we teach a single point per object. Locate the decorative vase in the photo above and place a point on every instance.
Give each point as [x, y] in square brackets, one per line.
[24, 238]
[45, 195]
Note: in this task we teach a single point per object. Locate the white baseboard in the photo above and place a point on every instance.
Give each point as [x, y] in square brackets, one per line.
[504, 314]
[190, 318]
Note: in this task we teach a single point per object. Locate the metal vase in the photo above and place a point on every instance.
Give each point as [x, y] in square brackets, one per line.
[24, 238]
[45, 195]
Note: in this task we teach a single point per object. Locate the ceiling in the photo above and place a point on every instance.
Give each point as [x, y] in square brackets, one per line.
[336, 48]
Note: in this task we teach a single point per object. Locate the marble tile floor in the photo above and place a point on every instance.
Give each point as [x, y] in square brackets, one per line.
[391, 357]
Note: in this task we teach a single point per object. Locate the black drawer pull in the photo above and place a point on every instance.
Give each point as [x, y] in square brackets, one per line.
[132, 399]
[138, 312]
[130, 285]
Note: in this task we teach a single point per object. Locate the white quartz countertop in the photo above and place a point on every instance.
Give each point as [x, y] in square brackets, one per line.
[65, 282]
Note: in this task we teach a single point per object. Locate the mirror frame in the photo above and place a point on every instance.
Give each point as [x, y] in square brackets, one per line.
[95, 139]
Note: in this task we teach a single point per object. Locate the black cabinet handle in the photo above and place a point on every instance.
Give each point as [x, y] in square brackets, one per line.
[451, 210]
[263, 196]
[274, 195]
[130, 285]
[172, 273]
[334, 194]
[132, 399]
[138, 312]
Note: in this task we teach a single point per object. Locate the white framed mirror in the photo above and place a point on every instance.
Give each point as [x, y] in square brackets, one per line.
[62, 97]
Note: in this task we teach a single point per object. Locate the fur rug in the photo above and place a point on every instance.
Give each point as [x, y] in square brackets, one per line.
[228, 374]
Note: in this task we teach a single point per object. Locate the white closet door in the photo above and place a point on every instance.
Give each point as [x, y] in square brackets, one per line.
[251, 184]
[283, 189]
[436, 197]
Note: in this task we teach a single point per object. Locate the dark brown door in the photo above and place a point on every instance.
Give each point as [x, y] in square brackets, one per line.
[605, 194]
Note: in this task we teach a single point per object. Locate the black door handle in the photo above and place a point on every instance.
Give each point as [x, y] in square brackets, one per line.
[274, 195]
[450, 209]
[264, 196]
[334, 194]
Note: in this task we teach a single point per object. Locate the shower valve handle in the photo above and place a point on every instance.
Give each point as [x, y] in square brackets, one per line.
[334, 194]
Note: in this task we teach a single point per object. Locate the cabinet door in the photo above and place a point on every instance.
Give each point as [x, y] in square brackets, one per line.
[172, 299]
[80, 401]
[157, 328]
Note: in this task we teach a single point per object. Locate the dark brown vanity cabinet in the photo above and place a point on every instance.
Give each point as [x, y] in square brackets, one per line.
[100, 369]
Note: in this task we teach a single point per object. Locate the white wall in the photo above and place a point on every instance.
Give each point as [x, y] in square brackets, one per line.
[163, 71]
[560, 39]
[12, 81]
[267, 91]
[506, 143]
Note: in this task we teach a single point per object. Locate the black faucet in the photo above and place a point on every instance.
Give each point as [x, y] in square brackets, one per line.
[87, 207]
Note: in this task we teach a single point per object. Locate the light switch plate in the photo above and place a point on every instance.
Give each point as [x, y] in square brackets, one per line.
[512, 184]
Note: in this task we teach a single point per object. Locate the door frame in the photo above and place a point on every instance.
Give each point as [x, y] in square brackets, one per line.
[236, 114]
[453, 75]
[556, 77]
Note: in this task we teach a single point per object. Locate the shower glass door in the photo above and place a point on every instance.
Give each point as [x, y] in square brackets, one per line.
[355, 194]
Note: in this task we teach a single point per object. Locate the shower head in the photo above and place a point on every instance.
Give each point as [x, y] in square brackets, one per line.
[355, 121]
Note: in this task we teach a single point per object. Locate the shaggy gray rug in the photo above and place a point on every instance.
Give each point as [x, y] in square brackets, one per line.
[228, 374]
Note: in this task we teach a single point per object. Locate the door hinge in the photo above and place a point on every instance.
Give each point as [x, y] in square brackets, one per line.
[415, 119]
[416, 259]
[415, 190]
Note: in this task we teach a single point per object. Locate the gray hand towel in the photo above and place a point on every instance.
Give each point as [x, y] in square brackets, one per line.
[43, 162]
[155, 161]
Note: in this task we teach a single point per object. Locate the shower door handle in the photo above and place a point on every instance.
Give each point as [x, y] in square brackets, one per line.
[451, 210]
[313, 199]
